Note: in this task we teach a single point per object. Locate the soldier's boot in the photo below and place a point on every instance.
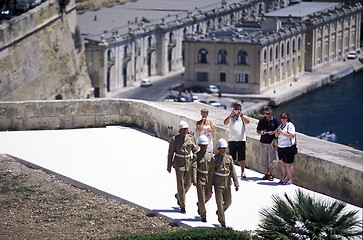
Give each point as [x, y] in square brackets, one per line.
[177, 199]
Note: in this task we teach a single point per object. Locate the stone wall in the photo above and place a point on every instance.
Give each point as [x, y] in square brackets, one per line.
[329, 168]
[42, 56]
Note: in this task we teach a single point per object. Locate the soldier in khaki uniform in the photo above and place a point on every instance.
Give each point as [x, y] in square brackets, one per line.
[181, 149]
[201, 177]
[224, 172]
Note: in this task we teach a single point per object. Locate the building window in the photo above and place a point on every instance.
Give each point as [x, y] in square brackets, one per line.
[277, 52]
[222, 77]
[299, 43]
[271, 54]
[232, 17]
[293, 46]
[202, 77]
[242, 58]
[126, 51]
[282, 50]
[185, 32]
[202, 56]
[241, 78]
[222, 57]
[326, 48]
[264, 55]
[149, 42]
[109, 55]
[318, 49]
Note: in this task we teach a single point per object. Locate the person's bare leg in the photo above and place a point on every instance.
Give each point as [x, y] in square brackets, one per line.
[243, 166]
[283, 168]
[289, 172]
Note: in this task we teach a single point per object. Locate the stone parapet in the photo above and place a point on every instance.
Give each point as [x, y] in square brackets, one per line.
[329, 168]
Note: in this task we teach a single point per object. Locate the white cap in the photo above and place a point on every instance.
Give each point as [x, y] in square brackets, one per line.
[183, 124]
[203, 140]
[222, 143]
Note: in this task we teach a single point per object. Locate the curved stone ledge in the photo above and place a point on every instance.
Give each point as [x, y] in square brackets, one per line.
[329, 168]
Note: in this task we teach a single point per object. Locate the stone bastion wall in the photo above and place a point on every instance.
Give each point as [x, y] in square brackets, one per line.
[329, 168]
[42, 55]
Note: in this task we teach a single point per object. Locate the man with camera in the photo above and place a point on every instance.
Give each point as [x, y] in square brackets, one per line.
[237, 136]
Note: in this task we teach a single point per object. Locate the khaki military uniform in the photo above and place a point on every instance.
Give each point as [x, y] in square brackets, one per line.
[203, 176]
[180, 157]
[224, 172]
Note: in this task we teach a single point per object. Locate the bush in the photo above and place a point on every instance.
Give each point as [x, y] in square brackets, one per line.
[63, 4]
[205, 233]
[307, 218]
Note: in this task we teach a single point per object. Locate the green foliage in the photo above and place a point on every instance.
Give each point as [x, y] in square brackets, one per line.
[63, 4]
[305, 218]
[13, 183]
[58, 96]
[354, 145]
[205, 233]
[145, 20]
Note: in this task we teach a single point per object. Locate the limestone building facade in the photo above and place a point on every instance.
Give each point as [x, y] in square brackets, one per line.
[333, 29]
[253, 57]
[128, 42]
[249, 58]
[134, 40]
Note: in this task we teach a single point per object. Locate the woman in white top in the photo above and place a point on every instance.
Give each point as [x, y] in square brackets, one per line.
[286, 147]
[205, 127]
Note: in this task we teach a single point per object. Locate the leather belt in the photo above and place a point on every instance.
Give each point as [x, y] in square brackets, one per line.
[222, 174]
[181, 155]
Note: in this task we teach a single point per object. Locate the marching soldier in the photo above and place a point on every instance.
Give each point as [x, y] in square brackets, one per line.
[224, 172]
[201, 177]
[181, 149]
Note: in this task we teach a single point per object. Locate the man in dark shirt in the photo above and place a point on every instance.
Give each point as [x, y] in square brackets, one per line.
[266, 128]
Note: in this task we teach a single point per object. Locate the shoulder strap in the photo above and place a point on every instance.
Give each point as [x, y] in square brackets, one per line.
[288, 124]
[291, 138]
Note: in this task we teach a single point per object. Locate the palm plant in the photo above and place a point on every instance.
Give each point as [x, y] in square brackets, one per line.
[305, 218]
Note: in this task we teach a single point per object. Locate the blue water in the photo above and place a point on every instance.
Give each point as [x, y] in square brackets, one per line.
[337, 107]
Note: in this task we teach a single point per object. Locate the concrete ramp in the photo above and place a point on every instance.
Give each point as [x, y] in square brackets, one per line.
[130, 165]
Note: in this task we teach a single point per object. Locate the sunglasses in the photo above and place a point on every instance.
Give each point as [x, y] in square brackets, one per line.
[268, 113]
[283, 117]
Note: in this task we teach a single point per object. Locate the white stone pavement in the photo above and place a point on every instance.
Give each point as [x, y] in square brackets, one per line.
[131, 164]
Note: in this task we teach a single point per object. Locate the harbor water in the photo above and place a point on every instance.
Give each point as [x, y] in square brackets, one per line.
[337, 107]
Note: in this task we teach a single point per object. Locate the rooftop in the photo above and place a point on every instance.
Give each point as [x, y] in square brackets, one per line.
[121, 16]
[302, 9]
[242, 34]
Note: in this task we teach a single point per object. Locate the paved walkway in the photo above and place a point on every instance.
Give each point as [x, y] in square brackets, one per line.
[114, 161]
